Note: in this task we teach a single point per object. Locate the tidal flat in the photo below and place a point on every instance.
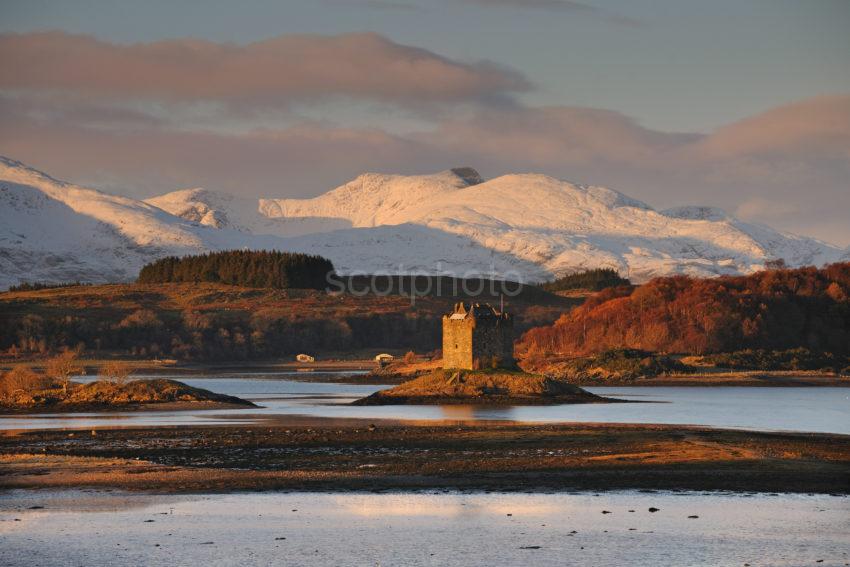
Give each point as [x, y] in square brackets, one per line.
[356, 455]
[94, 528]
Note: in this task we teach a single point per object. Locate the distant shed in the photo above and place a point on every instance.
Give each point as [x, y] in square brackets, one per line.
[305, 358]
[384, 358]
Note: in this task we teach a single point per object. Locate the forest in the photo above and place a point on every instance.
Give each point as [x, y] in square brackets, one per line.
[776, 309]
[248, 268]
[592, 280]
[211, 321]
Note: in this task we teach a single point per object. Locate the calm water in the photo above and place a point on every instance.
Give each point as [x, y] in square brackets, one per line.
[815, 409]
[96, 528]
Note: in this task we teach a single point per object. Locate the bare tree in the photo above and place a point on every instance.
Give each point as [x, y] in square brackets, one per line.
[117, 371]
[60, 368]
[21, 379]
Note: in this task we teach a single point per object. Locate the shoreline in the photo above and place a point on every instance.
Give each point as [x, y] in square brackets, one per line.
[365, 371]
[120, 408]
[363, 455]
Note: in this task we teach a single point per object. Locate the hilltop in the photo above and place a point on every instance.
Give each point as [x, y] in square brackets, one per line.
[483, 387]
[103, 395]
[774, 309]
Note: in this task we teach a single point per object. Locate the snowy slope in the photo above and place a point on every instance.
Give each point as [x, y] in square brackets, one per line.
[528, 227]
[529, 224]
[56, 231]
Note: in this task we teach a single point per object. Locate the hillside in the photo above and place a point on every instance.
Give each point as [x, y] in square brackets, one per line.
[774, 309]
[54, 231]
[206, 321]
[525, 227]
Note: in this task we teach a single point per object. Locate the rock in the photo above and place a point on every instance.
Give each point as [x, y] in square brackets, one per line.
[653, 510]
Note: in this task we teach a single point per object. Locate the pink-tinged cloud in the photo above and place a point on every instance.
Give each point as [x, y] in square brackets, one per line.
[272, 72]
[547, 135]
[800, 166]
[815, 126]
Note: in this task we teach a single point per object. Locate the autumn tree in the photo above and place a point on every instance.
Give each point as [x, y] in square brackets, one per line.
[775, 309]
[62, 367]
[117, 371]
[21, 379]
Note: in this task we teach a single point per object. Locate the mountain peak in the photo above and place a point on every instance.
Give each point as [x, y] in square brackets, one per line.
[468, 174]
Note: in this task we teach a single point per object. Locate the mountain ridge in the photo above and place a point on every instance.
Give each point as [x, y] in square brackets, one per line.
[529, 227]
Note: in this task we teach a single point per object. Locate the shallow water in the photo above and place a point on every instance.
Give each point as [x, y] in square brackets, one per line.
[811, 409]
[97, 528]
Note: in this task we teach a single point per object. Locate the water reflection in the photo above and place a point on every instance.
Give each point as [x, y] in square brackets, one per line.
[811, 409]
[77, 528]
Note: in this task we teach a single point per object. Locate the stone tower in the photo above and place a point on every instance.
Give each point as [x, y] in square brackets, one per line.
[476, 336]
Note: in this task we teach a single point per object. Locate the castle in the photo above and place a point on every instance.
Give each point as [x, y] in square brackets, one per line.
[476, 336]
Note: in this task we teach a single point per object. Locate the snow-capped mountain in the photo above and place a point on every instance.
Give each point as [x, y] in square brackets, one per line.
[530, 227]
[52, 231]
[531, 224]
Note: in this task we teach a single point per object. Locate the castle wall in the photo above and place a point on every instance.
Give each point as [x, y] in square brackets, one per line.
[457, 343]
[475, 344]
[492, 345]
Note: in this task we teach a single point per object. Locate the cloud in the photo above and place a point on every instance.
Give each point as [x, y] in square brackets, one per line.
[547, 135]
[788, 167]
[376, 5]
[302, 160]
[270, 73]
[819, 125]
[567, 6]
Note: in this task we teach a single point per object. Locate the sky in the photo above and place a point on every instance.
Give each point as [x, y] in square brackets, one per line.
[742, 105]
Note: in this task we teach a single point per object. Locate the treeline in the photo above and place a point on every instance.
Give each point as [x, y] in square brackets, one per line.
[216, 335]
[774, 310]
[594, 280]
[248, 268]
[792, 359]
[471, 289]
[36, 286]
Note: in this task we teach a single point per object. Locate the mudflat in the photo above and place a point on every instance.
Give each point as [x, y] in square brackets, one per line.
[343, 455]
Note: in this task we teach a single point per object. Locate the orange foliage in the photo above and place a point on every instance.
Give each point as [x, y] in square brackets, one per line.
[774, 309]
